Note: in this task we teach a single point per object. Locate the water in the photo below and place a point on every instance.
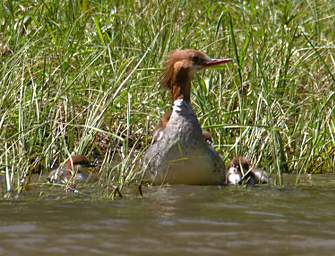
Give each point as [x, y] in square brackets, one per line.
[177, 220]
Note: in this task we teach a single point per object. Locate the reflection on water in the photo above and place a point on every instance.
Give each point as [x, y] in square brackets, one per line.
[177, 220]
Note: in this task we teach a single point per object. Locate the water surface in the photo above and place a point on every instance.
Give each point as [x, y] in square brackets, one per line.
[178, 220]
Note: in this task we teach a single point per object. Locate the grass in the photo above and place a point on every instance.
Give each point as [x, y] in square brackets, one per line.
[74, 70]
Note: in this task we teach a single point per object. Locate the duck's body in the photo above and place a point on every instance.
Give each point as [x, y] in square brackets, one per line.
[181, 155]
[163, 123]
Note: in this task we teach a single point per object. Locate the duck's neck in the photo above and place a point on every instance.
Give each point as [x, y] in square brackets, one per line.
[181, 86]
[181, 92]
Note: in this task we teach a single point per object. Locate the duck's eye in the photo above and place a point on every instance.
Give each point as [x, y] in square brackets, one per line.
[196, 60]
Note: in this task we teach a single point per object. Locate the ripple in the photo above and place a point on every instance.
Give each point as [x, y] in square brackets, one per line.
[18, 228]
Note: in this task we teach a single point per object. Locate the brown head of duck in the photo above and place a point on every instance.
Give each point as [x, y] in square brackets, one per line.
[180, 68]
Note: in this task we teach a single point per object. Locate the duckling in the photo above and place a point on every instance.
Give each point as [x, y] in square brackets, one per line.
[76, 168]
[240, 170]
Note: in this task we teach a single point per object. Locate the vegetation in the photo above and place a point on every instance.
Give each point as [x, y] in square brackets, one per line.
[81, 77]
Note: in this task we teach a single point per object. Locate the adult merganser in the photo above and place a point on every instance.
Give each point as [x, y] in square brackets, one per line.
[179, 154]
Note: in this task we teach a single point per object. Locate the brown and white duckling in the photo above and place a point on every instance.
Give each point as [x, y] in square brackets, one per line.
[241, 171]
[77, 168]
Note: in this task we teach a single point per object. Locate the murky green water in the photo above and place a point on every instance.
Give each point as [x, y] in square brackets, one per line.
[177, 220]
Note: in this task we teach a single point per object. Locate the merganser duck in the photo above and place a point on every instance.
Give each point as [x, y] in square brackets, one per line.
[179, 154]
